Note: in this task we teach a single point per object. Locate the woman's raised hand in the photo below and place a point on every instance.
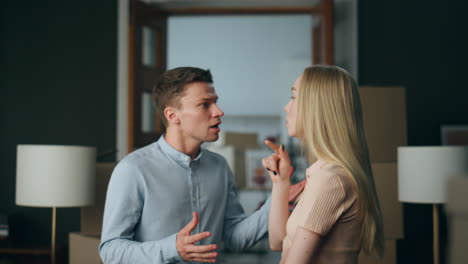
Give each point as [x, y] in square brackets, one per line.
[278, 164]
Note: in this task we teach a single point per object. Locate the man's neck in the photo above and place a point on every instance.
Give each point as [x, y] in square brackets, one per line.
[182, 144]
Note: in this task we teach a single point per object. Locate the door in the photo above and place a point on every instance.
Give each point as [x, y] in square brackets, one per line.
[147, 52]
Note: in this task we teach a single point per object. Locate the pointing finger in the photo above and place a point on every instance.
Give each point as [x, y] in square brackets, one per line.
[272, 146]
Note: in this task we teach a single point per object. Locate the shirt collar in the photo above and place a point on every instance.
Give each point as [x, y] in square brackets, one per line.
[182, 159]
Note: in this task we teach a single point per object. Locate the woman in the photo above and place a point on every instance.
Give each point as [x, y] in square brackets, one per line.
[338, 212]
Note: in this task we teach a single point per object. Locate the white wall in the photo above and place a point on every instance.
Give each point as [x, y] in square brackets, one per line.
[245, 54]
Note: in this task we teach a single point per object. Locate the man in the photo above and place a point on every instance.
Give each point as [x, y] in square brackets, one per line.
[161, 193]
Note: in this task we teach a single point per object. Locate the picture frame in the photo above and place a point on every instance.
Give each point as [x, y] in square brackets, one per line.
[257, 177]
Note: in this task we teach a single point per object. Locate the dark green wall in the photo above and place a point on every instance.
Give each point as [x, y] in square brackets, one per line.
[419, 45]
[58, 86]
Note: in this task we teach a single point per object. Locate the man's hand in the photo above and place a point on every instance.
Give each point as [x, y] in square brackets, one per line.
[294, 192]
[185, 244]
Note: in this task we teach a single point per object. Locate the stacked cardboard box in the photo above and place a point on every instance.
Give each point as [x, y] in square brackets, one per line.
[236, 139]
[84, 245]
[91, 216]
[384, 113]
[457, 210]
[232, 146]
[388, 258]
[386, 177]
[83, 249]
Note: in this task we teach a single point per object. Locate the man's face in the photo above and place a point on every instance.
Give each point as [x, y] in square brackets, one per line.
[198, 113]
[291, 109]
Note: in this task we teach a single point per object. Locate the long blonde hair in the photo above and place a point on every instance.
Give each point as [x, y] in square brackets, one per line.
[330, 124]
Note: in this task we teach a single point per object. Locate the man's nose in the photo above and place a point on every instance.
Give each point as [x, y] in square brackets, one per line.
[217, 111]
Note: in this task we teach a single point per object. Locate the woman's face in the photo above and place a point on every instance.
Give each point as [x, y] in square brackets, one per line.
[291, 109]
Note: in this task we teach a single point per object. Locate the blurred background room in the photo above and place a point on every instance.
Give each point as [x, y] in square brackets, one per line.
[81, 73]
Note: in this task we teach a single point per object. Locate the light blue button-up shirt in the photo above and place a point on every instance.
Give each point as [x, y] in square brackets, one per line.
[151, 196]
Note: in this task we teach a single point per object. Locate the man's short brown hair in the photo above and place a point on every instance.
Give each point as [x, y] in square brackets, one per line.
[171, 85]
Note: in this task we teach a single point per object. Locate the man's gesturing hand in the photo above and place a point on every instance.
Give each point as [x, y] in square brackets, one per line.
[185, 244]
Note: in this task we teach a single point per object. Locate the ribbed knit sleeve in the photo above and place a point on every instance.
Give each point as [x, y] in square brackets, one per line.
[324, 202]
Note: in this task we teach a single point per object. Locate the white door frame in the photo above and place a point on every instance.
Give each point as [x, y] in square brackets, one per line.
[123, 14]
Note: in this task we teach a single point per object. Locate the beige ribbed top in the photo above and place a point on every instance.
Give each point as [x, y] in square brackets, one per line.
[328, 207]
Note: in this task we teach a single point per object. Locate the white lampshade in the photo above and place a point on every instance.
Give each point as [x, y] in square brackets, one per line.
[423, 172]
[55, 176]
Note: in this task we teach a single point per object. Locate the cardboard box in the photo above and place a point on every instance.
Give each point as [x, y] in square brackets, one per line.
[233, 146]
[386, 184]
[388, 258]
[458, 244]
[384, 113]
[91, 216]
[235, 157]
[456, 196]
[237, 140]
[457, 210]
[83, 249]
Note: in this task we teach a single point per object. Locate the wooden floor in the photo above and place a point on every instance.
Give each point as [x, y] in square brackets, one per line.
[31, 256]
[23, 259]
[230, 258]
[42, 256]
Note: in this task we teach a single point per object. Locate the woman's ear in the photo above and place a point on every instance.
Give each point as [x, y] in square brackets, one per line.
[171, 115]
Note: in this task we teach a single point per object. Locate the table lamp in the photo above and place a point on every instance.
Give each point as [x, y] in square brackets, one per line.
[55, 176]
[423, 174]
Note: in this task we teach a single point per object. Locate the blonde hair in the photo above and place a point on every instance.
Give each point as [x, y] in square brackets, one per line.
[330, 124]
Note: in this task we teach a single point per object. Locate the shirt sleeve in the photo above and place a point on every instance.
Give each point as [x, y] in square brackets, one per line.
[242, 231]
[123, 207]
[324, 203]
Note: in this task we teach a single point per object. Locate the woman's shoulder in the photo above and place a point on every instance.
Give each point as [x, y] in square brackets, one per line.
[325, 172]
[329, 182]
[322, 168]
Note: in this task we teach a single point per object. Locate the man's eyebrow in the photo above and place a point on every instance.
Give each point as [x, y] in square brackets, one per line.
[293, 89]
[212, 98]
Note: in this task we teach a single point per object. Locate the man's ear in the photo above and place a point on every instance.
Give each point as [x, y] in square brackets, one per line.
[171, 115]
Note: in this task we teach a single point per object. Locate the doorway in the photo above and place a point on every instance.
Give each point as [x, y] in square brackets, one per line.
[128, 128]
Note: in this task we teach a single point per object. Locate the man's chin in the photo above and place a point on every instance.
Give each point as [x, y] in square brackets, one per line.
[212, 137]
